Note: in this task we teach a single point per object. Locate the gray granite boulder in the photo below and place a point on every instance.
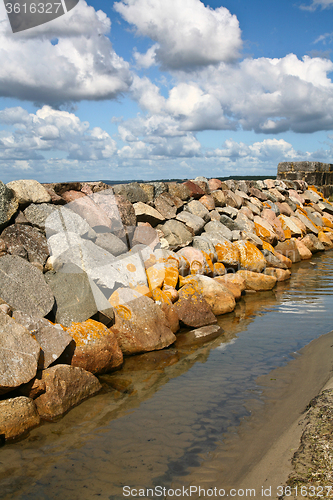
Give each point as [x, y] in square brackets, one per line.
[27, 242]
[52, 338]
[192, 221]
[198, 209]
[176, 234]
[204, 244]
[36, 215]
[23, 287]
[111, 243]
[215, 227]
[132, 192]
[19, 354]
[8, 204]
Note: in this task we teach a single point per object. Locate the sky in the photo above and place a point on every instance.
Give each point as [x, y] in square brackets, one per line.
[159, 89]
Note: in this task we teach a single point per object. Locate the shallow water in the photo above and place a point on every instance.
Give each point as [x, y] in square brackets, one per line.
[163, 415]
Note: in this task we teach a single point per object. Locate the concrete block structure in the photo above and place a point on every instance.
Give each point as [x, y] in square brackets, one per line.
[313, 172]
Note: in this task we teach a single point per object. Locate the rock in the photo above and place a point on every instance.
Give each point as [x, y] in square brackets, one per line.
[234, 278]
[179, 190]
[149, 190]
[232, 199]
[273, 261]
[23, 287]
[55, 198]
[176, 234]
[64, 220]
[325, 240]
[192, 308]
[247, 212]
[255, 202]
[74, 298]
[8, 204]
[257, 281]
[244, 223]
[132, 192]
[256, 193]
[229, 223]
[53, 339]
[208, 201]
[272, 219]
[288, 223]
[264, 230]
[232, 287]
[202, 182]
[111, 243]
[165, 205]
[269, 183]
[198, 209]
[219, 198]
[33, 243]
[314, 216]
[250, 257]
[303, 250]
[36, 215]
[140, 324]
[243, 186]
[311, 242]
[145, 213]
[34, 388]
[195, 223]
[219, 269]
[310, 227]
[229, 211]
[17, 416]
[145, 235]
[171, 292]
[279, 274]
[285, 209]
[19, 354]
[289, 249]
[227, 253]
[156, 275]
[71, 195]
[171, 316]
[195, 191]
[218, 229]
[220, 299]
[199, 335]
[214, 215]
[96, 348]
[66, 386]
[124, 209]
[205, 245]
[252, 238]
[325, 207]
[195, 258]
[29, 191]
[214, 184]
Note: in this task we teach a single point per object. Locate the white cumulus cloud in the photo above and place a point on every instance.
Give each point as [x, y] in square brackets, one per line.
[79, 64]
[187, 33]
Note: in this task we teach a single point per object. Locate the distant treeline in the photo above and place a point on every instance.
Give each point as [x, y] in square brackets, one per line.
[234, 177]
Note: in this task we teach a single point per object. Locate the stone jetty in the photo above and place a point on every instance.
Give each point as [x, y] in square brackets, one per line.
[90, 273]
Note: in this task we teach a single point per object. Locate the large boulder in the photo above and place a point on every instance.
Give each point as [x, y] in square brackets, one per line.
[194, 190]
[8, 204]
[279, 274]
[17, 416]
[291, 225]
[52, 338]
[132, 192]
[96, 348]
[289, 249]
[65, 386]
[27, 242]
[192, 308]
[19, 354]
[227, 253]
[198, 209]
[111, 243]
[205, 245]
[304, 252]
[257, 281]
[29, 191]
[217, 228]
[250, 257]
[165, 205]
[176, 234]
[313, 243]
[146, 213]
[23, 287]
[179, 190]
[193, 222]
[140, 324]
[220, 299]
[74, 297]
[37, 214]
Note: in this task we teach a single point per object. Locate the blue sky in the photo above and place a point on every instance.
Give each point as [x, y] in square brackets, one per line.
[149, 89]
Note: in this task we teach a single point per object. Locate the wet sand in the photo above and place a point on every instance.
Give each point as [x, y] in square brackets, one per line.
[258, 454]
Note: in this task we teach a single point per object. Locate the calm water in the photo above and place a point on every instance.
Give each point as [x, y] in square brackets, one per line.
[164, 413]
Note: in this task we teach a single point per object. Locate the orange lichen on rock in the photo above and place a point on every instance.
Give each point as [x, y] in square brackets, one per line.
[250, 256]
[227, 253]
[327, 222]
[325, 240]
[219, 269]
[155, 275]
[161, 296]
[268, 246]
[171, 274]
[287, 234]
[209, 267]
[262, 232]
[87, 331]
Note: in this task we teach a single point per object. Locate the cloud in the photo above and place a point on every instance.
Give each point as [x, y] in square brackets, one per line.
[268, 149]
[187, 34]
[58, 132]
[79, 64]
[324, 38]
[323, 4]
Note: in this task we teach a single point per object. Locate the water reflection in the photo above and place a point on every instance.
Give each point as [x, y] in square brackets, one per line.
[164, 412]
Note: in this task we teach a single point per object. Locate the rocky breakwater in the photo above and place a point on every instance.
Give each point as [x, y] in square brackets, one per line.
[90, 273]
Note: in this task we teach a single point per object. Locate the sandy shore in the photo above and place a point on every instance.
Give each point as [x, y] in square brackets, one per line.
[288, 392]
[258, 454]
